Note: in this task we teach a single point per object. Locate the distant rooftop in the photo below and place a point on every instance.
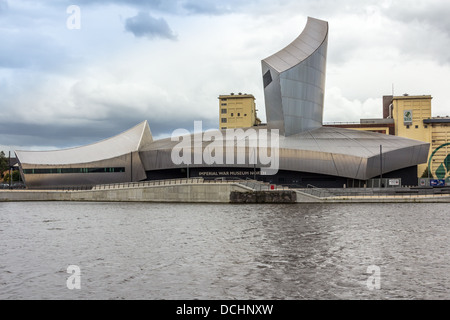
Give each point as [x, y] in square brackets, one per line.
[438, 119]
[237, 95]
[407, 96]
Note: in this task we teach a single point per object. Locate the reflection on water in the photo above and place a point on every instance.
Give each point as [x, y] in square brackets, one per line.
[203, 251]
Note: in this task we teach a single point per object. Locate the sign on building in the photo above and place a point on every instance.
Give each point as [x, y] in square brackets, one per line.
[394, 182]
[437, 183]
[407, 117]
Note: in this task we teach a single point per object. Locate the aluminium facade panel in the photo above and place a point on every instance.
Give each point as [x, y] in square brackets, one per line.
[116, 159]
[294, 98]
[329, 151]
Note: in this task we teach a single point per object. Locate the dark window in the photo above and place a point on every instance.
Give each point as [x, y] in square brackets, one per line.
[224, 111]
[232, 114]
[407, 127]
[239, 114]
[224, 99]
[417, 127]
[224, 120]
[73, 170]
[224, 104]
[267, 78]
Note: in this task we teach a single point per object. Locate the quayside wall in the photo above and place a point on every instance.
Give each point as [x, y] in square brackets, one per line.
[201, 191]
[210, 193]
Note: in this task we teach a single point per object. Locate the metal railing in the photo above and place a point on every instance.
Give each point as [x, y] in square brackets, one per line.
[261, 185]
[339, 123]
[149, 183]
[376, 193]
[252, 184]
[316, 191]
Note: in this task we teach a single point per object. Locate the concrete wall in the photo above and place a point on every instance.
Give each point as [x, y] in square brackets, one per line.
[207, 193]
[264, 197]
[219, 193]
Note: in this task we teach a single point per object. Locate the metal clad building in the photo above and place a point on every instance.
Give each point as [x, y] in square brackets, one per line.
[307, 152]
[116, 159]
[294, 81]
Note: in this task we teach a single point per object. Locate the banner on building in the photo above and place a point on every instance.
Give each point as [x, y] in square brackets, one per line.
[407, 117]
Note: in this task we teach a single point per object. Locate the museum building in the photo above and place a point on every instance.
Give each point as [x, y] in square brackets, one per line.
[302, 152]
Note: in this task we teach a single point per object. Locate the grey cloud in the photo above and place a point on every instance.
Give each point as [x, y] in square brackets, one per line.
[31, 51]
[210, 7]
[435, 15]
[426, 28]
[3, 6]
[175, 6]
[67, 136]
[144, 25]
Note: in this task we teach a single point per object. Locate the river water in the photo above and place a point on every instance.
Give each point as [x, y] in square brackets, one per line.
[221, 251]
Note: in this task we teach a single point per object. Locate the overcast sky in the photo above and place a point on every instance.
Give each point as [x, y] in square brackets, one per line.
[167, 61]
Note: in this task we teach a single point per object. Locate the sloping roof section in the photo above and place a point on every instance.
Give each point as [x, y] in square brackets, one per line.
[332, 151]
[312, 37]
[128, 141]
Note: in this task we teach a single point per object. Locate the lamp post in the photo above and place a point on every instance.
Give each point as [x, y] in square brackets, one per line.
[381, 165]
[10, 170]
[254, 164]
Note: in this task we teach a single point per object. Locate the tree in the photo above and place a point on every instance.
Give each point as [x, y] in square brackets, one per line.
[15, 176]
[4, 163]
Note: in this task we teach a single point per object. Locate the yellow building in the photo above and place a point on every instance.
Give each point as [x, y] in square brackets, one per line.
[439, 158]
[237, 111]
[410, 117]
[409, 114]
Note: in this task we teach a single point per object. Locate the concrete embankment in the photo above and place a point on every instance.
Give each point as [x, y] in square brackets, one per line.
[363, 196]
[210, 193]
[283, 196]
[221, 192]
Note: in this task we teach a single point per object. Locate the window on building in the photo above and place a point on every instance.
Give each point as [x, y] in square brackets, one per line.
[407, 127]
[73, 170]
[417, 127]
[224, 120]
[267, 78]
[232, 114]
[425, 126]
[224, 104]
[224, 99]
[224, 111]
[239, 114]
[245, 114]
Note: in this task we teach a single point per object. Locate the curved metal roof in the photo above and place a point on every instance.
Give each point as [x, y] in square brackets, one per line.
[326, 150]
[294, 81]
[128, 141]
[313, 35]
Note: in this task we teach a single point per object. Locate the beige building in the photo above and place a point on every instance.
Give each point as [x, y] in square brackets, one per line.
[409, 114]
[237, 111]
[439, 158]
[410, 117]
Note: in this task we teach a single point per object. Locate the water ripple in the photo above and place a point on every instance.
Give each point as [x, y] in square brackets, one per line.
[202, 251]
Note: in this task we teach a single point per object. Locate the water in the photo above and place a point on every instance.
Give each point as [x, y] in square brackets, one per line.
[206, 251]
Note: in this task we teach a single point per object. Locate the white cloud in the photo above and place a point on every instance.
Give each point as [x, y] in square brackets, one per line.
[104, 78]
[341, 109]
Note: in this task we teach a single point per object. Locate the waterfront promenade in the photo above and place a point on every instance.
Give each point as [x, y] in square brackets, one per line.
[198, 190]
